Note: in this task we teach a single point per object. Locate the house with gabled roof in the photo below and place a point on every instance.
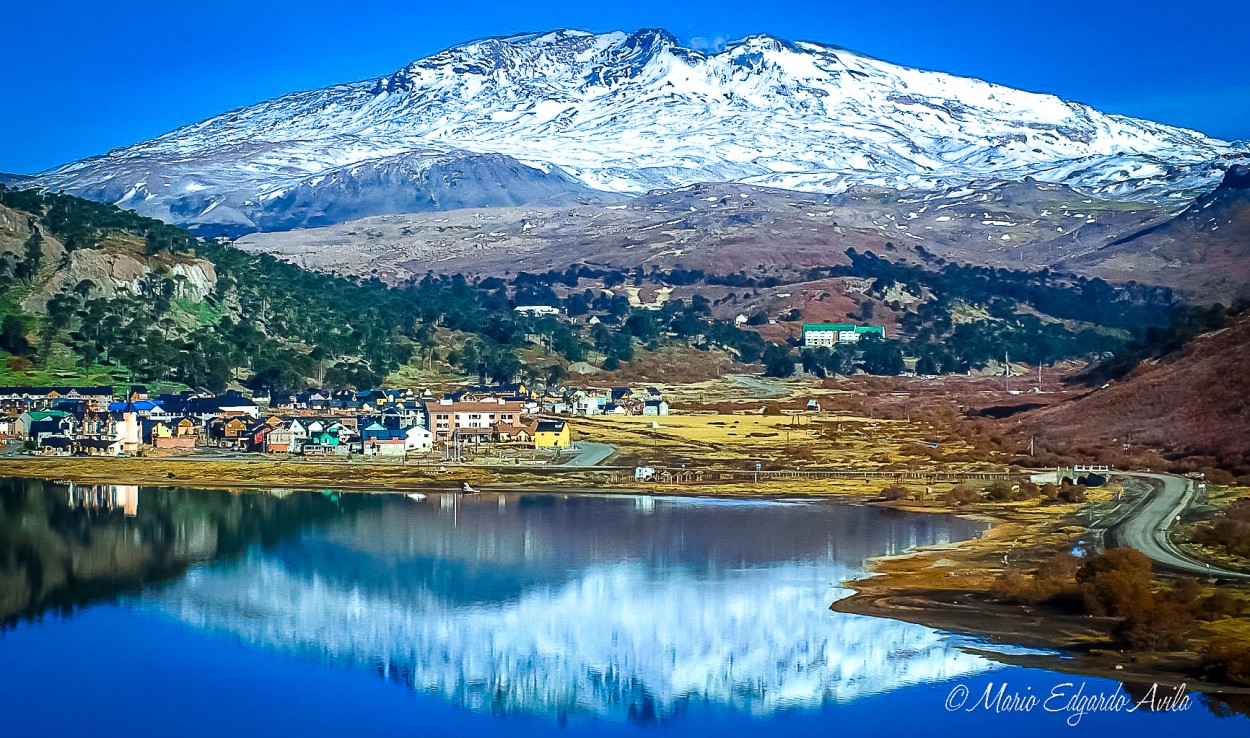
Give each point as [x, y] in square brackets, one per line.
[256, 436]
[521, 434]
[552, 434]
[281, 440]
[36, 424]
[232, 431]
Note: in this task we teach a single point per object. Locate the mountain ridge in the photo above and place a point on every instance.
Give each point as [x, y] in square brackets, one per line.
[630, 113]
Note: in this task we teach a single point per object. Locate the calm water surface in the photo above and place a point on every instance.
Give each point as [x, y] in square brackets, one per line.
[145, 611]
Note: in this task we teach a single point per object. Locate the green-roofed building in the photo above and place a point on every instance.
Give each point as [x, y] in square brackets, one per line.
[830, 334]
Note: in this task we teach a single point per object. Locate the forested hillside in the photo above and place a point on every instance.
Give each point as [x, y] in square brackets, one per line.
[94, 293]
[251, 317]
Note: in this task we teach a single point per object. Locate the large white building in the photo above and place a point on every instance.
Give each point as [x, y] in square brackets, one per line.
[829, 334]
[536, 310]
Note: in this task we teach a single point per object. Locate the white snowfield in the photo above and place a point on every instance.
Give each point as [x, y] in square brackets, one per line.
[628, 113]
[755, 640]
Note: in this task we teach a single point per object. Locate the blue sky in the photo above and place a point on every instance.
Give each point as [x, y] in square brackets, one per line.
[80, 78]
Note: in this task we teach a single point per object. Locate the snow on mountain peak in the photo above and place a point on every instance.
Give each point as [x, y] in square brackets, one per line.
[630, 112]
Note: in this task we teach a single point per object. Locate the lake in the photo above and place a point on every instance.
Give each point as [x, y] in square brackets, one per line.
[150, 611]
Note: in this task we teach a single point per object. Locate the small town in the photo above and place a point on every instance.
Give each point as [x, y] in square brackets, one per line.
[378, 423]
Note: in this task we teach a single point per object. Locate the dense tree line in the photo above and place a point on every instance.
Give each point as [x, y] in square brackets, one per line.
[271, 322]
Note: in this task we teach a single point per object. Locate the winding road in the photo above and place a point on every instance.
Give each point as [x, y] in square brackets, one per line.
[1146, 527]
[591, 454]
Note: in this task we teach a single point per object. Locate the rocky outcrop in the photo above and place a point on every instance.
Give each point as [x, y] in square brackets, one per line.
[113, 274]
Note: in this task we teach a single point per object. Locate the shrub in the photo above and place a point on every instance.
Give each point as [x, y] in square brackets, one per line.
[999, 491]
[1184, 593]
[1218, 476]
[1229, 661]
[1117, 582]
[1013, 586]
[1062, 566]
[1218, 606]
[1072, 493]
[1163, 627]
[1238, 510]
[1027, 491]
[895, 492]
[962, 494]
[1230, 534]
[1053, 583]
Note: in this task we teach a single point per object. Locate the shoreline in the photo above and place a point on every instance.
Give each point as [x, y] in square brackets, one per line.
[945, 587]
[376, 478]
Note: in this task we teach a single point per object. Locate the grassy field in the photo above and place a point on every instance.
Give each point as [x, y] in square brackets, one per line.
[784, 441]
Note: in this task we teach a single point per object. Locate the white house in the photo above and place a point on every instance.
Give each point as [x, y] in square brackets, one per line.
[418, 438]
[299, 434]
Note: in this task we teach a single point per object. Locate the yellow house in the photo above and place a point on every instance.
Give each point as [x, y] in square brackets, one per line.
[552, 434]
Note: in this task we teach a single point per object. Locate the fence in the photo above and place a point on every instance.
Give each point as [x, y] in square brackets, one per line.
[731, 475]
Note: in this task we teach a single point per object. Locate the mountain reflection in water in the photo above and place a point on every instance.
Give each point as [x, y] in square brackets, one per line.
[542, 604]
[603, 606]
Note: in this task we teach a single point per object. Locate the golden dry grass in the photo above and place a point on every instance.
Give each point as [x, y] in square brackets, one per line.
[790, 441]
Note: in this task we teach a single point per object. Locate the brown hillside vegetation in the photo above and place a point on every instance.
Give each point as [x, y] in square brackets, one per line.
[1194, 406]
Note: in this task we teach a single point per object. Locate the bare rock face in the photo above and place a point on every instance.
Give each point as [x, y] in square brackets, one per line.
[15, 228]
[110, 275]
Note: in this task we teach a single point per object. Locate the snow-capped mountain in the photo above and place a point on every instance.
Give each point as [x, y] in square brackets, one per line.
[564, 115]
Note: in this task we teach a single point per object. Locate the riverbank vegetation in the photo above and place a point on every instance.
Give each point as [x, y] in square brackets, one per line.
[1109, 614]
[1152, 615]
